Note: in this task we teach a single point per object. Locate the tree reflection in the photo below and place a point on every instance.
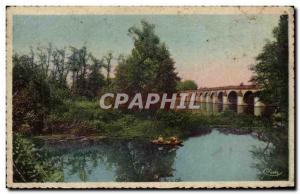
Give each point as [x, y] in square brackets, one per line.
[142, 162]
[273, 159]
[132, 161]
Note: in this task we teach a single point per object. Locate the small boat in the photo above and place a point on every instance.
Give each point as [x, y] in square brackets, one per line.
[167, 143]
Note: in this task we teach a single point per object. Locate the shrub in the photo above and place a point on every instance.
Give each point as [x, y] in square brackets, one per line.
[30, 165]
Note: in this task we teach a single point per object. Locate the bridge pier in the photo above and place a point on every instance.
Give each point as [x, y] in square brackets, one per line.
[207, 99]
[202, 98]
[215, 108]
[215, 99]
[240, 100]
[225, 99]
[198, 97]
[240, 109]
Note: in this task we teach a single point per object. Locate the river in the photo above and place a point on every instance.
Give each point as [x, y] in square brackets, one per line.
[212, 157]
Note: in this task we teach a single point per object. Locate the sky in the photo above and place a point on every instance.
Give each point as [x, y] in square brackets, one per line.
[212, 50]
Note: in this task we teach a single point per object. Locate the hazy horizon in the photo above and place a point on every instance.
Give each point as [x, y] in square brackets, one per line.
[213, 50]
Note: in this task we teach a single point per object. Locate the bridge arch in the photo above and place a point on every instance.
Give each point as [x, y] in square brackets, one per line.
[248, 98]
[220, 97]
[232, 97]
[206, 97]
[212, 95]
[198, 96]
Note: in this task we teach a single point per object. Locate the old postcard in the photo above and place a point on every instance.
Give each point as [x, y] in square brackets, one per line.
[150, 97]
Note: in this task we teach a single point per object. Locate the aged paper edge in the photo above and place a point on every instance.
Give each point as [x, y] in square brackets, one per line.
[158, 10]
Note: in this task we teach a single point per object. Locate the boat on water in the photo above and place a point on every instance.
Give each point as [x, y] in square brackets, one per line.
[173, 141]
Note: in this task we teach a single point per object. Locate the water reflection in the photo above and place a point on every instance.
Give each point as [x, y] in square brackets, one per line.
[133, 161]
[213, 157]
[207, 107]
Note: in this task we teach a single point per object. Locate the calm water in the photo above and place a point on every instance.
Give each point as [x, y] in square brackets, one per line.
[213, 157]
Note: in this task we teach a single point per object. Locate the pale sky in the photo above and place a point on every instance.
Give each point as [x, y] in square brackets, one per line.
[213, 50]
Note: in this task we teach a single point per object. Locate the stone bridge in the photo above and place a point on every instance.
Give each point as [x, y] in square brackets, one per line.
[239, 95]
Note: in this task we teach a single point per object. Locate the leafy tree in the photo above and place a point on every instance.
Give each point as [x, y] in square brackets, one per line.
[60, 69]
[149, 67]
[78, 61]
[95, 80]
[186, 85]
[31, 91]
[271, 70]
[271, 74]
[39, 87]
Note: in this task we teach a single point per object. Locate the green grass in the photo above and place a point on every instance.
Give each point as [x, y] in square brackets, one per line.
[114, 123]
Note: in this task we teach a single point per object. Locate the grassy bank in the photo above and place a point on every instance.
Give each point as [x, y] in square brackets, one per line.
[85, 118]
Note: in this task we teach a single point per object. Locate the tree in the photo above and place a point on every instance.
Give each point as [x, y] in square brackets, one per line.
[83, 67]
[95, 80]
[186, 85]
[108, 59]
[39, 87]
[271, 75]
[149, 67]
[31, 95]
[78, 61]
[73, 61]
[60, 69]
[44, 58]
[271, 70]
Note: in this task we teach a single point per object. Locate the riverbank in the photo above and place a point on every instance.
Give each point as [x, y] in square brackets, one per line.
[84, 118]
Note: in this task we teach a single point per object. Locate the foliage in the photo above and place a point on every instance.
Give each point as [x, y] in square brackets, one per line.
[41, 85]
[273, 160]
[271, 70]
[31, 165]
[78, 65]
[186, 85]
[49, 80]
[95, 79]
[31, 102]
[149, 68]
[271, 74]
[60, 69]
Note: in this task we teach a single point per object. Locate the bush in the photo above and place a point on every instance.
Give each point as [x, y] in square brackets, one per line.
[173, 119]
[29, 165]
